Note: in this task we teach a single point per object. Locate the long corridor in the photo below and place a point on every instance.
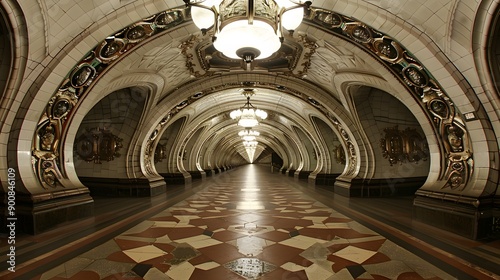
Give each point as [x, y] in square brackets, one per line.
[247, 223]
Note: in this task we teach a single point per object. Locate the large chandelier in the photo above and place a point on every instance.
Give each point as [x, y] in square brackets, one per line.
[248, 116]
[247, 29]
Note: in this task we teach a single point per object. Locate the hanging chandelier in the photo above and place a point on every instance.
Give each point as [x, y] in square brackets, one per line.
[248, 135]
[247, 29]
[250, 144]
[248, 116]
[248, 132]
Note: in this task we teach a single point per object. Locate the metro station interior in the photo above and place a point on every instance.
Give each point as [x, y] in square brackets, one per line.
[185, 139]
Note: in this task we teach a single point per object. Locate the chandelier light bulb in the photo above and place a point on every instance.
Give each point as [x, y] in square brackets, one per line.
[292, 18]
[250, 143]
[248, 138]
[248, 132]
[202, 14]
[248, 122]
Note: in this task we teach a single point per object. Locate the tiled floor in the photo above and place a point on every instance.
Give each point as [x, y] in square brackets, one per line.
[249, 224]
[248, 228]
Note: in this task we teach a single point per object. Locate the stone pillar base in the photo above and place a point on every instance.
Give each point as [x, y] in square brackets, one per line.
[123, 187]
[469, 217]
[41, 212]
[356, 187]
[198, 175]
[302, 175]
[323, 179]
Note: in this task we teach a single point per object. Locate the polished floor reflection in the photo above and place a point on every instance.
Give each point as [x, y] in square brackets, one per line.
[249, 223]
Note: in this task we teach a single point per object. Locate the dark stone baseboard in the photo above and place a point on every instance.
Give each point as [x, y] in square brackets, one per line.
[197, 175]
[325, 179]
[378, 187]
[175, 178]
[41, 212]
[463, 219]
[123, 187]
[303, 175]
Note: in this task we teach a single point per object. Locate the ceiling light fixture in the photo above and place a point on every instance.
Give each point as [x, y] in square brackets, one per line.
[248, 116]
[247, 29]
[248, 138]
[248, 132]
[249, 144]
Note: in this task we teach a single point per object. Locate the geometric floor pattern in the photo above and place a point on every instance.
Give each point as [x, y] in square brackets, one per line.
[246, 228]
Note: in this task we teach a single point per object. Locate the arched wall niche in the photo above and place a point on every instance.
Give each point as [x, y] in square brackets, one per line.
[397, 143]
[167, 165]
[105, 140]
[335, 159]
[119, 114]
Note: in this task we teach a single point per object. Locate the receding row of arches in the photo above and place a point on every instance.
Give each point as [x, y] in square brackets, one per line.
[190, 146]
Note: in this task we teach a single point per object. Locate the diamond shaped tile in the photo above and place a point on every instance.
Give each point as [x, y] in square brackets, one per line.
[355, 254]
[144, 253]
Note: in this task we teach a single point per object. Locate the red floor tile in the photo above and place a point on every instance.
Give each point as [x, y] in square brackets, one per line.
[221, 253]
[218, 273]
[278, 254]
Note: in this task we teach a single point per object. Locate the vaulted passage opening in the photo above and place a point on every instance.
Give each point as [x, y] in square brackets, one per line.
[399, 160]
[103, 143]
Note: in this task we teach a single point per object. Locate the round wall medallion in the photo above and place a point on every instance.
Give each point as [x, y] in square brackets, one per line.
[414, 75]
[111, 49]
[165, 20]
[136, 33]
[387, 49]
[439, 108]
[60, 108]
[361, 34]
[82, 76]
[329, 19]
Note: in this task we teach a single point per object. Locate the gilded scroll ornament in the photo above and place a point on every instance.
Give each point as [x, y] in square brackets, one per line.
[97, 145]
[400, 146]
[339, 154]
[160, 153]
